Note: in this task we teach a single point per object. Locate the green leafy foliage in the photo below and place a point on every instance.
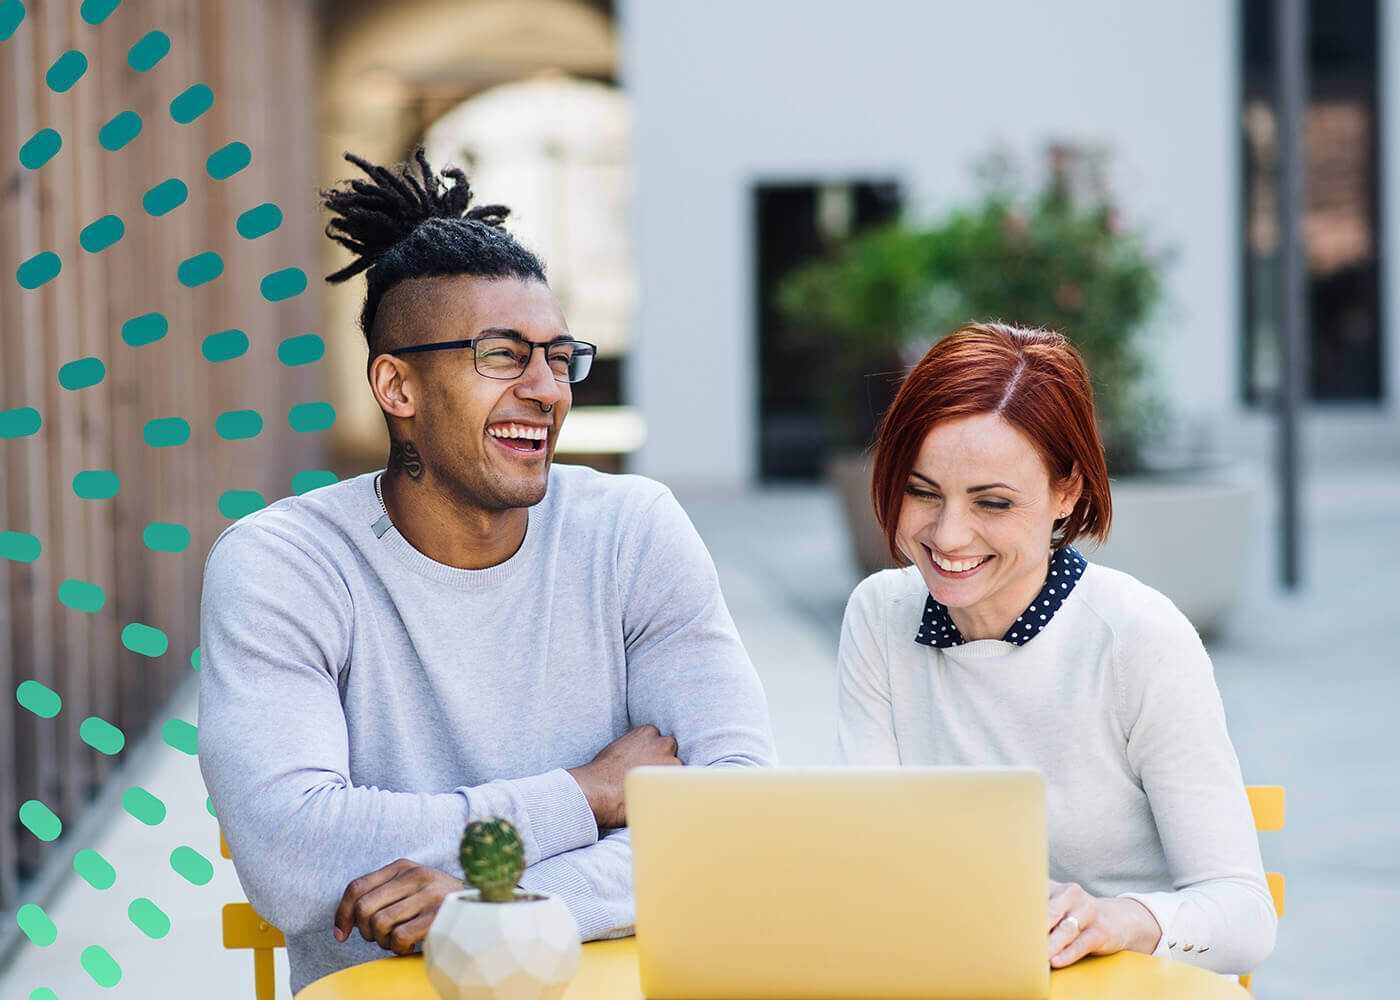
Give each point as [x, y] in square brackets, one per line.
[1058, 258]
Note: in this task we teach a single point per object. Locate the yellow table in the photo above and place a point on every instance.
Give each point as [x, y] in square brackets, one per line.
[609, 972]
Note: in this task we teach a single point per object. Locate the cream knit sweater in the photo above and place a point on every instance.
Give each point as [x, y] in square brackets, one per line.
[1115, 702]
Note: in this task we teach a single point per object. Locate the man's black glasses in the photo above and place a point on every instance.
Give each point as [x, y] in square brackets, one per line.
[503, 356]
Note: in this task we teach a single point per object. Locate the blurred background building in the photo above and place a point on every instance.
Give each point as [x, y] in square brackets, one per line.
[752, 117]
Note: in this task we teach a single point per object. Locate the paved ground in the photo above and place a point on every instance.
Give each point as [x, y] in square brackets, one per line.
[1310, 682]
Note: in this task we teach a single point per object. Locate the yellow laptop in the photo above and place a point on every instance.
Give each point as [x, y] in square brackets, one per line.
[839, 883]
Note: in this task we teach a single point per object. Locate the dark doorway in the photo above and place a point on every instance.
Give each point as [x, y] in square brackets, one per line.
[1341, 178]
[793, 223]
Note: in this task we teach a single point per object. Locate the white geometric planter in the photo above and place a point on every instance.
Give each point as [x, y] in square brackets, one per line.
[523, 950]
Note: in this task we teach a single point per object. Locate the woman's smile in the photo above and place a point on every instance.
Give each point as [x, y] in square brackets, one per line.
[977, 518]
[958, 568]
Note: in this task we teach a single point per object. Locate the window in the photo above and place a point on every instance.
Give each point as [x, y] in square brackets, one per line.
[793, 223]
[1340, 221]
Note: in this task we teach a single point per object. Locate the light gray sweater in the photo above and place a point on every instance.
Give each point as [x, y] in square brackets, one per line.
[1115, 702]
[360, 702]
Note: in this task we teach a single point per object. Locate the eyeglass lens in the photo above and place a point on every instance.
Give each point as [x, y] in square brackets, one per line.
[507, 357]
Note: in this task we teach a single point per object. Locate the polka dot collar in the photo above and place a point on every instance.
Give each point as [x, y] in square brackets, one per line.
[1066, 567]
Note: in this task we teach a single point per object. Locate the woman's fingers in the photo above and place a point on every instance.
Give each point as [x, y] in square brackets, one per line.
[1063, 897]
[1088, 941]
[1079, 917]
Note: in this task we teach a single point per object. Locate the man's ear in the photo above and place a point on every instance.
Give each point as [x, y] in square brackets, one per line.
[393, 385]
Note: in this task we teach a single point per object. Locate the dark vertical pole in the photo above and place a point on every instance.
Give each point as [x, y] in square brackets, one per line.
[1290, 39]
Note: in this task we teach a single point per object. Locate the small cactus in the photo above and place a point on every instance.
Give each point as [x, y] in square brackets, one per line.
[493, 858]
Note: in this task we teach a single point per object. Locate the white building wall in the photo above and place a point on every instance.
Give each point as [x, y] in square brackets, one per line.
[731, 93]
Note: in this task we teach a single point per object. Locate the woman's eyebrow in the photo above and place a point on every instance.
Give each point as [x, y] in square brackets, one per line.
[970, 489]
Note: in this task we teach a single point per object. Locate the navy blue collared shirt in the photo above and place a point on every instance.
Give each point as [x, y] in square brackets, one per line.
[1066, 567]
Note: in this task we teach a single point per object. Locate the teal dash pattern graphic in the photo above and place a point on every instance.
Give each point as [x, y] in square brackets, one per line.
[224, 163]
[94, 869]
[145, 329]
[161, 536]
[150, 50]
[166, 432]
[81, 596]
[40, 148]
[96, 484]
[39, 699]
[20, 422]
[143, 806]
[82, 374]
[38, 270]
[301, 350]
[40, 820]
[165, 197]
[225, 345]
[144, 639]
[119, 131]
[65, 73]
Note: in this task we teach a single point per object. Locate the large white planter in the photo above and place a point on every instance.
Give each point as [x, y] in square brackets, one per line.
[523, 950]
[849, 473]
[1188, 536]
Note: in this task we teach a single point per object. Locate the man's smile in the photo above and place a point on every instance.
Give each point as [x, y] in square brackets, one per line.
[519, 437]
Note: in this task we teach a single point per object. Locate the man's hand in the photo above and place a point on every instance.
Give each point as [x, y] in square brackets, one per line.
[1081, 924]
[395, 905]
[601, 778]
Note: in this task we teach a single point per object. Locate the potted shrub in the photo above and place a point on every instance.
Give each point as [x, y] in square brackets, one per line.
[495, 940]
[1060, 258]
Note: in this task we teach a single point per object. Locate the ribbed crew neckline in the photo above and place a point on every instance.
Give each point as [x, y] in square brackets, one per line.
[396, 545]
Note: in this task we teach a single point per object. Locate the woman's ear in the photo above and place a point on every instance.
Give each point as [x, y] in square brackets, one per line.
[1070, 489]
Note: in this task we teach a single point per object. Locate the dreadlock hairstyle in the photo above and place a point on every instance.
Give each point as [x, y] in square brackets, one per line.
[400, 226]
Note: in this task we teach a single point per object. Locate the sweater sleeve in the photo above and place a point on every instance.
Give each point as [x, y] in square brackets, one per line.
[688, 675]
[275, 633]
[687, 671]
[594, 882]
[864, 712]
[1220, 916]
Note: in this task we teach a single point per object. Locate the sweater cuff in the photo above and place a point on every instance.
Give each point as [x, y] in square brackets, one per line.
[561, 879]
[1163, 907]
[560, 817]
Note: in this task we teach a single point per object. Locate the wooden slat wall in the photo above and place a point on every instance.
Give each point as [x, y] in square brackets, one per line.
[257, 56]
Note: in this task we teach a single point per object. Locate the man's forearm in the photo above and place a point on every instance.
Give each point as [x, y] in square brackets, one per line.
[296, 849]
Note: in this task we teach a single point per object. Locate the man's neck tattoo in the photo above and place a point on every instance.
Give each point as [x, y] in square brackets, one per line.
[403, 456]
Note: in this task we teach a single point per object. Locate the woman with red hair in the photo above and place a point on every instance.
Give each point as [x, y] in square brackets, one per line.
[1001, 645]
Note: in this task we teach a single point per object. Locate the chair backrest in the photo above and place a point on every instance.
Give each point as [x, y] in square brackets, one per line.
[1266, 802]
[244, 928]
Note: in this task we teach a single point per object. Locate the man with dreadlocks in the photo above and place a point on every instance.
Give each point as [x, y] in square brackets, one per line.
[473, 631]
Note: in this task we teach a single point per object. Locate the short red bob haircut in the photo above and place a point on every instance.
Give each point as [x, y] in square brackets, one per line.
[1035, 380]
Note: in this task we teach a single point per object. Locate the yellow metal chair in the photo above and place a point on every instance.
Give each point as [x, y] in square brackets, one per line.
[244, 928]
[1266, 802]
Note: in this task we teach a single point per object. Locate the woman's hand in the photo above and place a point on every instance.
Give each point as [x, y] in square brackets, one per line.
[1081, 924]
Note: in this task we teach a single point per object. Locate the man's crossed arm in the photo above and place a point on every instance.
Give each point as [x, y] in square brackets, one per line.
[394, 905]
